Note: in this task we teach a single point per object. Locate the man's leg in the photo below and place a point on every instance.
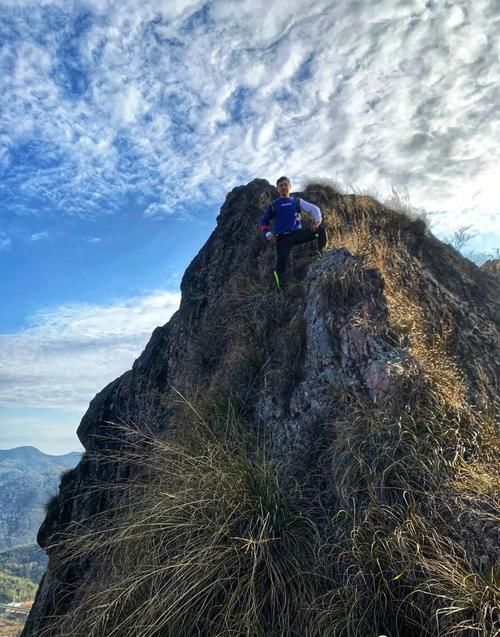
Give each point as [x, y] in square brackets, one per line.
[283, 247]
[285, 244]
[308, 234]
[322, 237]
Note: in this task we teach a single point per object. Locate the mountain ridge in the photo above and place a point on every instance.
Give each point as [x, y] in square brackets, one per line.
[28, 478]
[28, 451]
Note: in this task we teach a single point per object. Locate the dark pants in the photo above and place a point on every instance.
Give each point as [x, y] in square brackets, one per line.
[285, 242]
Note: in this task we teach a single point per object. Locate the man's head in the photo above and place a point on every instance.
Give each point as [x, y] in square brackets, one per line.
[284, 186]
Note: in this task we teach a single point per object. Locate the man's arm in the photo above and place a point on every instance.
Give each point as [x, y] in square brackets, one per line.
[265, 222]
[313, 210]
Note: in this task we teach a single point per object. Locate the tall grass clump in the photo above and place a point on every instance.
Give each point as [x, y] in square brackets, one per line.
[205, 539]
[400, 202]
[399, 559]
[397, 573]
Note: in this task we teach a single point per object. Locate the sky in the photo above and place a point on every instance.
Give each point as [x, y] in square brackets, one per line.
[124, 124]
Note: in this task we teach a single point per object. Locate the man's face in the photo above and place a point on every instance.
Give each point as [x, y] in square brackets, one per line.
[284, 188]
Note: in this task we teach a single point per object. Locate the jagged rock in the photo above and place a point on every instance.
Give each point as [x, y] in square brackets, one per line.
[285, 358]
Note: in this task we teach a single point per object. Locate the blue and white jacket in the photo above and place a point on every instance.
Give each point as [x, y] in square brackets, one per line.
[286, 214]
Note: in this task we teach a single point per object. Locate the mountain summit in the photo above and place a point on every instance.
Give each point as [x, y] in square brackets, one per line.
[318, 461]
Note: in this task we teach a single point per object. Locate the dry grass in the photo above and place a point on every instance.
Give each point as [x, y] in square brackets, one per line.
[387, 253]
[211, 537]
[333, 186]
[480, 478]
[398, 575]
[400, 202]
[208, 543]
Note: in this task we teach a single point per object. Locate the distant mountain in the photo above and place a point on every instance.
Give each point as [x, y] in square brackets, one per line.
[28, 478]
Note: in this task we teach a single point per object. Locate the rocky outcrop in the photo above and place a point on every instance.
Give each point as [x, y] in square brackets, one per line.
[492, 266]
[345, 327]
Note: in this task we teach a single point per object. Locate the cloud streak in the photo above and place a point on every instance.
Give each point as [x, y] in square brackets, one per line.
[39, 236]
[5, 241]
[70, 352]
[180, 101]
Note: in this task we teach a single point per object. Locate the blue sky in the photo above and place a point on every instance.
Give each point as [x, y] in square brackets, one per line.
[123, 125]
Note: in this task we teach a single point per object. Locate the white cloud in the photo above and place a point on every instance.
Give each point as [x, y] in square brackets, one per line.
[159, 209]
[130, 105]
[70, 352]
[5, 242]
[177, 100]
[38, 236]
[95, 240]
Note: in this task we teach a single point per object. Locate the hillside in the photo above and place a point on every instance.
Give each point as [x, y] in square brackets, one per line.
[28, 479]
[15, 589]
[320, 462]
[21, 570]
[28, 562]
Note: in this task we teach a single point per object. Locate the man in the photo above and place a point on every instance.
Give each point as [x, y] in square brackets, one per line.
[288, 231]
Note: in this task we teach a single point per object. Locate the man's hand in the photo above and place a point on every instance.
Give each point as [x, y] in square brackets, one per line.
[315, 225]
[271, 238]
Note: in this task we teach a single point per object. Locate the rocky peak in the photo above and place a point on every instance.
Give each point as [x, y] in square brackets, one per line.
[384, 345]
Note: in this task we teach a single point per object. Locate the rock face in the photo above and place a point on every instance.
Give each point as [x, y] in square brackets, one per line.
[28, 479]
[492, 266]
[387, 315]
